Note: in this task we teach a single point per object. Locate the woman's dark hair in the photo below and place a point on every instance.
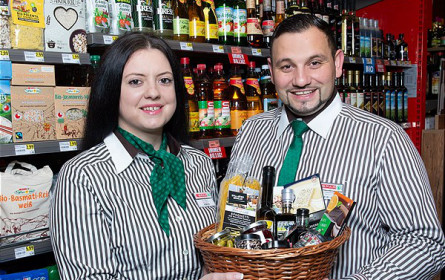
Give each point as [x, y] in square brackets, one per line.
[103, 108]
[301, 22]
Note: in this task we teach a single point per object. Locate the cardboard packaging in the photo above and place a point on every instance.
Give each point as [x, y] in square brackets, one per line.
[65, 26]
[5, 102]
[33, 75]
[70, 111]
[33, 113]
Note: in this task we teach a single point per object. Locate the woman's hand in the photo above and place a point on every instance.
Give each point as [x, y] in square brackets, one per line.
[223, 276]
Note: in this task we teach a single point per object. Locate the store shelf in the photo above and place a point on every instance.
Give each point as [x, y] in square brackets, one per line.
[96, 39]
[206, 143]
[23, 249]
[31, 56]
[437, 49]
[43, 147]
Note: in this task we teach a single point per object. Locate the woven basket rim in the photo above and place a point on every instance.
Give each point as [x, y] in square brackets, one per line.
[272, 254]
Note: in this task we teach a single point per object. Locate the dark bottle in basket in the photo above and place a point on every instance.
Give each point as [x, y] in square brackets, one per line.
[265, 211]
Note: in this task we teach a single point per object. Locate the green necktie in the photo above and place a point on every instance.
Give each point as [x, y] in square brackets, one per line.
[166, 179]
[290, 164]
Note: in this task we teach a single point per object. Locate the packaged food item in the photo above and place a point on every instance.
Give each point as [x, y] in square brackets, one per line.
[248, 241]
[33, 75]
[5, 102]
[310, 237]
[259, 228]
[65, 26]
[121, 16]
[98, 19]
[32, 113]
[28, 13]
[238, 196]
[25, 37]
[5, 42]
[223, 238]
[71, 109]
[38, 274]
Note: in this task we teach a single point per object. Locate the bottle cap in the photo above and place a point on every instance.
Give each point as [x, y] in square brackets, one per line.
[218, 67]
[252, 64]
[201, 66]
[287, 195]
[95, 57]
[185, 60]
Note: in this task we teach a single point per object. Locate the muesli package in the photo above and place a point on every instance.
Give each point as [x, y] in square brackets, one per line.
[238, 197]
[26, 24]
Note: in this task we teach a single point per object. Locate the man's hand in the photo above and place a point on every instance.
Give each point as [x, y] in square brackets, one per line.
[223, 276]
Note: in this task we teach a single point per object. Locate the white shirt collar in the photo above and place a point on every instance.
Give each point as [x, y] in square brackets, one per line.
[321, 124]
[119, 155]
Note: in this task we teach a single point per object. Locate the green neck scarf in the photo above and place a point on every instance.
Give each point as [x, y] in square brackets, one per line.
[167, 178]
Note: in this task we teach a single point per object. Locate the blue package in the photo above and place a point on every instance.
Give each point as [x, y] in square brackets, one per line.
[38, 274]
[5, 70]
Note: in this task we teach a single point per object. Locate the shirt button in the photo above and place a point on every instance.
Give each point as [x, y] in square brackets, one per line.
[178, 218]
[185, 252]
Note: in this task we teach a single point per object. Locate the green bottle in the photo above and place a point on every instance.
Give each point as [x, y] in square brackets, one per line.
[240, 23]
[224, 14]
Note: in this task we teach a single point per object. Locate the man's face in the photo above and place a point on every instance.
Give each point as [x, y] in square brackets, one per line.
[304, 71]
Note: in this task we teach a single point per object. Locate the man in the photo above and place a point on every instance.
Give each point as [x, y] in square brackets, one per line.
[395, 230]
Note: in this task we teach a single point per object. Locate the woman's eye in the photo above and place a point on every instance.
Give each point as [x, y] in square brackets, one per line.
[134, 82]
[165, 80]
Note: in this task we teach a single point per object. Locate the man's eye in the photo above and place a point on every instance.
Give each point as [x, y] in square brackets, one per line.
[166, 80]
[285, 67]
[315, 63]
[134, 82]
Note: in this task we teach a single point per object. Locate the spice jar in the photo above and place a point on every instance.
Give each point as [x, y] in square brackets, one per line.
[259, 228]
[310, 237]
[248, 241]
[223, 238]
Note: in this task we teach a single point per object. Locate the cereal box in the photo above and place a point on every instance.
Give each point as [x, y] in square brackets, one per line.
[32, 113]
[65, 26]
[70, 111]
[33, 75]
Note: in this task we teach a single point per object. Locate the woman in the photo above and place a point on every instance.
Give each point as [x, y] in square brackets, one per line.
[126, 207]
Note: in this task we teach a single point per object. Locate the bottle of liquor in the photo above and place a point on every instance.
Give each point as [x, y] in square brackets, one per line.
[399, 97]
[380, 82]
[304, 7]
[253, 92]
[379, 38]
[279, 11]
[196, 21]
[204, 95]
[374, 89]
[367, 93]
[163, 18]
[265, 211]
[92, 70]
[193, 110]
[349, 91]
[405, 97]
[221, 103]
[359, 90]
[224, 14]
[346, 30]
[238, 101]
[388, 44]
[180, 21]
[341, 85]
[254, 31]
[267, 24]
[292, 8]
[387, 88]
[142, 15]
[355, 29]
[367, 37]
[402, 48]
[338, 22]
[319, 10]
[240, 23]
[393, 55]
[210, 21]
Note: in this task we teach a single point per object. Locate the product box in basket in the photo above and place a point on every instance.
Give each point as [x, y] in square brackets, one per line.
[33, 75]
[65, 26]
[32, 113]
[70, 111]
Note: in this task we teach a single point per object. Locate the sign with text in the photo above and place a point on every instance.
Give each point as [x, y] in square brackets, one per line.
[216, 152]
[238, 58]
[369, 66]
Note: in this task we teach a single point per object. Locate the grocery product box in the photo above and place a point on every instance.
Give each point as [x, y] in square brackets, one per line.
[33, 75]
[32, 113]
[70, 111]
[5, 112]
[65, 26]
[5, 69]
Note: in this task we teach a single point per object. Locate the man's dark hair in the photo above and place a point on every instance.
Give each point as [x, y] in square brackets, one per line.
[301, 22]
[103, 108]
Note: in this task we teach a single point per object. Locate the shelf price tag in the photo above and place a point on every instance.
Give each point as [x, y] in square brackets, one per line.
[23, 252]
[108, 40]
[72, 58]
[185, 46]
[68, 146]
[256, 52]
[380, 67]
[393, 63]
[352, 59]
[27, 149]
[238, 58]
[369, 66]
[4, 55]
[218, 49]
[34, 56]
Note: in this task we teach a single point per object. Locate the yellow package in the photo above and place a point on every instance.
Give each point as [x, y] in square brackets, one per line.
[28, 13]
[25, 37]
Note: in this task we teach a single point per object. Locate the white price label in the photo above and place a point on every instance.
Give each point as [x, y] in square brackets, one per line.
[4, 55]
[72, 58]
[256, 52]
[393, 63]
[23, 252]
[186, 46]
[27, 149]
[34, 57]
[68, 146]
[218, 49]
[352, 60]
[108, 40]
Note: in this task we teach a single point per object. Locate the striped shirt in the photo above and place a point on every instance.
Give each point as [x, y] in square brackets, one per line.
[104, 223]
[395, 230]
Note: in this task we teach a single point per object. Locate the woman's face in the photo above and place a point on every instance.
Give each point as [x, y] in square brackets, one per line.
[148, 99]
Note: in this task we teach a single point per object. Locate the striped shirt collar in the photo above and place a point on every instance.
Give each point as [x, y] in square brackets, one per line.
[321, 124]
[122, 152]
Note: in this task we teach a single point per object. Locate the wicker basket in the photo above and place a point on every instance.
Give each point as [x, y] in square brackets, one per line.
[311, 262]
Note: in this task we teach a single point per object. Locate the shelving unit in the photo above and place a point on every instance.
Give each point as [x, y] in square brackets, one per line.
[30, 56]
[25, 249]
